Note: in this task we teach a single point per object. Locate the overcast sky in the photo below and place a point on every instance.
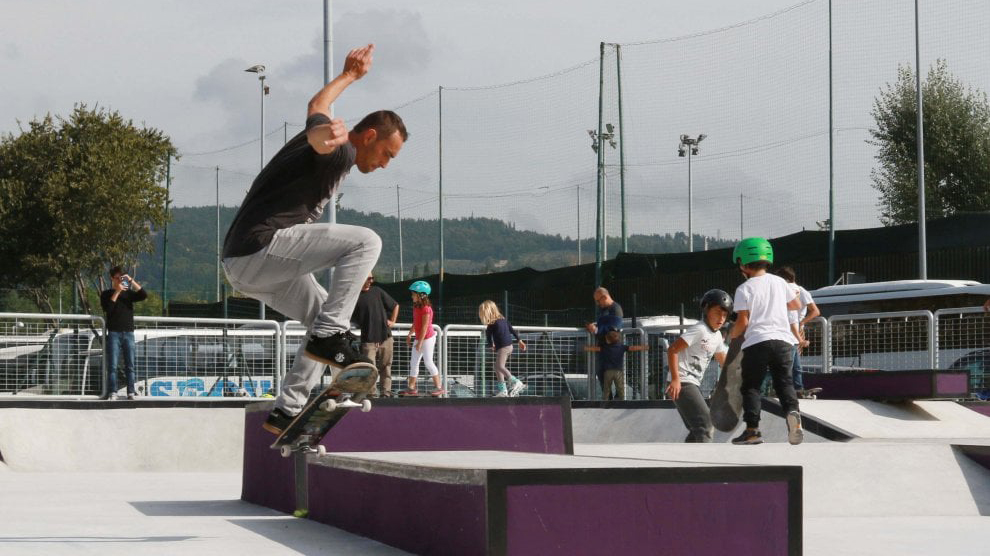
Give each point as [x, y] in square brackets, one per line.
[178, 66]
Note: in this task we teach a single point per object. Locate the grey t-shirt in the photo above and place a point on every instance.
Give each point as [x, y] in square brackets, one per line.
[703, 344]
[292, 189]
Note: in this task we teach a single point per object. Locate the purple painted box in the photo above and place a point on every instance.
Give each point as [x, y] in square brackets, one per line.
[542, 510]
[889, 385]
[531, 424]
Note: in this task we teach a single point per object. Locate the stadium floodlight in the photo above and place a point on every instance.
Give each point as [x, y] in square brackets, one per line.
[689, 147]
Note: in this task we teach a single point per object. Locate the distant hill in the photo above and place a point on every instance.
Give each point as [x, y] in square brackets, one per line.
[472, 245]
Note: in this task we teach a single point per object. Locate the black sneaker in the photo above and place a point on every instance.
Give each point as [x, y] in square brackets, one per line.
[749, 436]
[335, 350]
[277, 421]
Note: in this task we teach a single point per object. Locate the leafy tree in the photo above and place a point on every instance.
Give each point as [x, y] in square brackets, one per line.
[956, 140]
[77, 194]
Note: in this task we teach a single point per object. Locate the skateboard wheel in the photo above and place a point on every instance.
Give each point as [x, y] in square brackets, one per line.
[286, 451]
[329, 405]
[321, 450]
[366, 405]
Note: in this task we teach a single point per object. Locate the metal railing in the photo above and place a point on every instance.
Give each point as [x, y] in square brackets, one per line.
[200, 357]
[883, 341]
[553, 364]
[816, 357]
[963, 343]
[62, 355]
[51, 354]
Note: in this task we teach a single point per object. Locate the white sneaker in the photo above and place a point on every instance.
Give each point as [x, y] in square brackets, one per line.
[795, 434]
[112, 397]
[500, 391]
[132, 396]
[517, 387]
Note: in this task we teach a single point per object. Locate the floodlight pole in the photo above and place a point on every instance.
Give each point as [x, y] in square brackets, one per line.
[920, 139]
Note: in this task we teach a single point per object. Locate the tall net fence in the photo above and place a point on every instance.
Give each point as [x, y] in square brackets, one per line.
[521, 152]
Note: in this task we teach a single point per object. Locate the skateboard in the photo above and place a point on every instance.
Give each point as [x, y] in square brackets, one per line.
[726, 401]
[809, 393]
[349, 389]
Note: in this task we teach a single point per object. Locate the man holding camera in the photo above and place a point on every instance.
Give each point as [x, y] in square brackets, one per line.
[118, 306]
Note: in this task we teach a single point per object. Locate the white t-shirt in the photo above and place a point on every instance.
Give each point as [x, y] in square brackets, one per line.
[703, 344]
[766, 298]
[805, 297]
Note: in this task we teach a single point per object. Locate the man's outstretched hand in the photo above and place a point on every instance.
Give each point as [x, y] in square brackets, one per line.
[358, 61]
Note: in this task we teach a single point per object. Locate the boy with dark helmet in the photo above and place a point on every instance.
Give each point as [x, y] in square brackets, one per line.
[761, 304]
[698, 344]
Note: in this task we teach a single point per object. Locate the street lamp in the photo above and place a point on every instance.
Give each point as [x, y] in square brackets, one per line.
[260, 70]
[689, 147]
[596, 141]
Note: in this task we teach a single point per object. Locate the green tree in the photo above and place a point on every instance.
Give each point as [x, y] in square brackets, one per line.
[77, 194]
[956, 140]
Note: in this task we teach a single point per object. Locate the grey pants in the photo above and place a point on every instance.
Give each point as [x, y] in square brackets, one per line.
[694, 412]
[381, 354]
[281, 276]
[501, 359]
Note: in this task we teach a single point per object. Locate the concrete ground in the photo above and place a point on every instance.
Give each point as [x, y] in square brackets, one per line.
[154, 513]
[897, 488]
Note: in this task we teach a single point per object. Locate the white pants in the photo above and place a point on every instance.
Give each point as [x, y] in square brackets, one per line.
[281, 276]
[426, 355]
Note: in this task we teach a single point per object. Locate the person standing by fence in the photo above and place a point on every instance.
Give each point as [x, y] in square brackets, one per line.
[118, 306]
[499, 336]
[374, 314]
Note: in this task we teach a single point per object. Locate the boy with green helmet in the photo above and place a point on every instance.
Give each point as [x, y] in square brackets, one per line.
[762, 303]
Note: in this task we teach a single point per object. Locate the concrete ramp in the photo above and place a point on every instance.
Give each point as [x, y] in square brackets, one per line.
[911, 421]
[846, 479]
[106, 439]
[660, 422]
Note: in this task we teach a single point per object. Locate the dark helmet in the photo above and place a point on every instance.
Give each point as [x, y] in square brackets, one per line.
[715, 298]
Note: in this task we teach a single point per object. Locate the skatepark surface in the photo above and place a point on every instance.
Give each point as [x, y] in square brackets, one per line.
[117, 481]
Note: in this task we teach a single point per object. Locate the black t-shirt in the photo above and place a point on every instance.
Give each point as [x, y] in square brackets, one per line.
[371, 315]
[120, 313]
[292, 189]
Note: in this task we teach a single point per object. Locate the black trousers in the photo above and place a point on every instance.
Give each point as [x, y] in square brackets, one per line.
[777, 357]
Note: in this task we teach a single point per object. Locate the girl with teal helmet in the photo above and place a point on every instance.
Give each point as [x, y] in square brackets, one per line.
[423, 339]
[420, 286]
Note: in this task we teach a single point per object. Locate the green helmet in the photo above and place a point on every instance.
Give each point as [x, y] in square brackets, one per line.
[752, 249]
[420, 286]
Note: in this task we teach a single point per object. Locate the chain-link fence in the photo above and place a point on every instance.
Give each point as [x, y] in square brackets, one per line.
[964, 344]
[883, 341]
[51, 354]
[182, 357]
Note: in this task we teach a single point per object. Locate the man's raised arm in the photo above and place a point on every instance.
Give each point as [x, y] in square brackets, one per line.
[323, 133]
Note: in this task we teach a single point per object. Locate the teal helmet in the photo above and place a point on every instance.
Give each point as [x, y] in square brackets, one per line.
[420, 286]
[752, 249]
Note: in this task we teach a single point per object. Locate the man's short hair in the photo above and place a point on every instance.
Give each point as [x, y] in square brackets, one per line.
[116, 270]
[385, 123]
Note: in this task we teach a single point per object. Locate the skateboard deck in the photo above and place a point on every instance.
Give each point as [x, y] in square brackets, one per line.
[349, 389]
[726, 401]
[809, 394]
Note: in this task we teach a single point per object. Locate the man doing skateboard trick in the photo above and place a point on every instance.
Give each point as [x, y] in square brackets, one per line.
[274, 244]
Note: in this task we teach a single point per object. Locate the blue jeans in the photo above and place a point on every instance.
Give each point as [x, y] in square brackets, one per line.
[796, 371]
[117, 342]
